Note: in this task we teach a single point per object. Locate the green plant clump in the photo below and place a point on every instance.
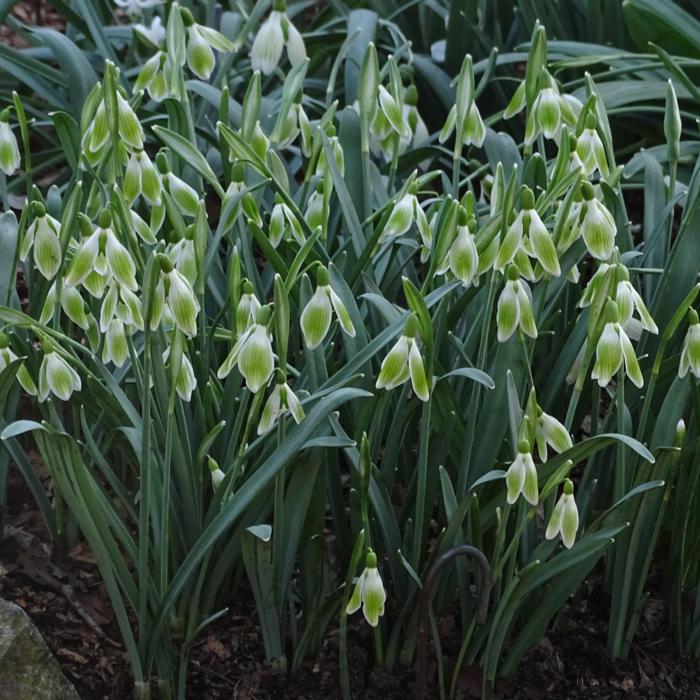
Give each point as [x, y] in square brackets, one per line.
[409, 273]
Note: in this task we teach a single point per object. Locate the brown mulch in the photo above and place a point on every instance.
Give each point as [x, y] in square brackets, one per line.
[30, 12]
[67, 601]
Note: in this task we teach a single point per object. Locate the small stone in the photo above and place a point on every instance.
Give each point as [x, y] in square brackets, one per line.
[27, 668]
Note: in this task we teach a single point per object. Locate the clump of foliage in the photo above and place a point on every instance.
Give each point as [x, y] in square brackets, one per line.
[285, 266]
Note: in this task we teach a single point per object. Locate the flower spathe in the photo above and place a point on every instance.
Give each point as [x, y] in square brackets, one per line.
[369, 592]
[565, 519]
[404, 362]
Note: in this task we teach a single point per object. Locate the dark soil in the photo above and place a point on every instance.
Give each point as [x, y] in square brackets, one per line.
[66, 600]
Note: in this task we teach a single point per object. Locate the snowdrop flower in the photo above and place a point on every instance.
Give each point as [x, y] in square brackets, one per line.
[121, 303]
[152, 77]
[540, 245]
[253, 354]
[102, 253]
[9, 150]
[97, 134]
[369, 592]
[547, 113]
[116, 347]
[521, 477]
[155, 33]
[629, 300]
[217, 476]
[462, 258]
[474, 130]
[247, 308]
[284, 224]
[281, 400]
[183, 256]
[141, 177]
[200, 42]
[690, 354]
[7, 357]
[598, 226]
[614, 347]
[404, 213]
[275, 33]
[515, 307]
[185, 382]
[590, 149]
[175, 290]
[564, 518]
[184, 195]
[548, 431]
[315, 210]
[136, 7]
[318, 312]
[56, 376]
[71, 302]
[404, 361]
[42, 235]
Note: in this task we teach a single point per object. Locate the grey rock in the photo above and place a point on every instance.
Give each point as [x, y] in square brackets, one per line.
[27, 667]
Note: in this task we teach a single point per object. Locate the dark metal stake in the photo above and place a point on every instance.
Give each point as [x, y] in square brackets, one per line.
[426, 599]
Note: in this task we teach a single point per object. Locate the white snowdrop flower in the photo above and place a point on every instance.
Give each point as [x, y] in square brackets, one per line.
[276, 32]
[281, 400]
[186, 382]
[318, 313]
[404, 362]
[369, 592]
[629, 300]
[403, 214]
[690, 354]
[521, 477]
[615, 348]
[462, 258]
[591, 150]
[598, 226]
[539, 241]
[155, 33]
[515, 307]
[564, 520]
[247, 308]
[56, 376]
[7, 356]
[9, 150]
[42, 236]
[253, 354]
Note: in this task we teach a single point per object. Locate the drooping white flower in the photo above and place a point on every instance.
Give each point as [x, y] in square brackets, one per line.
[690, 354]
[564, 520]
[185, 382]
[539, 244]
[201, 41]
[614, 347]
[9, 150]
[590, 149]
[318, 312]
[403, 214]
[515, 307]
[369, 592]
[276, 32]
[7, 356]
[598, 226]
[281, 400]
[404, 362]
[462, 258]
[42, 235]
[57, 377]
[155, 33]
[253, 354]
[141, 177]
[628, 301]
[521, 477]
